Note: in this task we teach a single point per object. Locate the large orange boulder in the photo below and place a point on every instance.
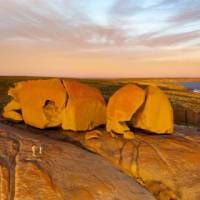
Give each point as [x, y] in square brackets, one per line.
[157, 114]
[41, 101]
[121, 107]
[52, 103]
[85, 109]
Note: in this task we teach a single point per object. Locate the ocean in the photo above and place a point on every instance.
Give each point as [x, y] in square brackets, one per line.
[195, 86]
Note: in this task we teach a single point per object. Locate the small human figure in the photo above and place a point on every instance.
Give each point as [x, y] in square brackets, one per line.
[36, 150]
[40, 150]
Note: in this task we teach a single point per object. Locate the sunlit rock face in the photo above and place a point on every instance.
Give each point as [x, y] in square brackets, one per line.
[15, 116]
[121, 107]
[153, 113]
[167, 165]
[156, 115]
[41, 101]
[60, 171]
[10, 111]
[53, 103]
[85, 109]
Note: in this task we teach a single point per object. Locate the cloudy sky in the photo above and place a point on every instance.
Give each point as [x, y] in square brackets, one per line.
[100, 38]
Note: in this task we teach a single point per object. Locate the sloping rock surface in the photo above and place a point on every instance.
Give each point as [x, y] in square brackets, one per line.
[35, 167]
[167, 165]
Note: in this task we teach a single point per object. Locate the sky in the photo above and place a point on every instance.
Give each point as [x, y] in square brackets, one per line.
[100, 38]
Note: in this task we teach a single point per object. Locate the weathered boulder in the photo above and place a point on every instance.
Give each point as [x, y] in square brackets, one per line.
[41, 102]
[156, 115]
[85, 109]
[121, 107]
[52, 103]
[33, 167]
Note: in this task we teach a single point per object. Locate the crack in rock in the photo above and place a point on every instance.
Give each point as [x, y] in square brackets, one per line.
[10, 149]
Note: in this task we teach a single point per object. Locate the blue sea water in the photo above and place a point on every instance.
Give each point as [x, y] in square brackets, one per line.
[192, 85]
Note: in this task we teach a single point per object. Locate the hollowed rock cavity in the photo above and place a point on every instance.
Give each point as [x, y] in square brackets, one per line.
[51, 103]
